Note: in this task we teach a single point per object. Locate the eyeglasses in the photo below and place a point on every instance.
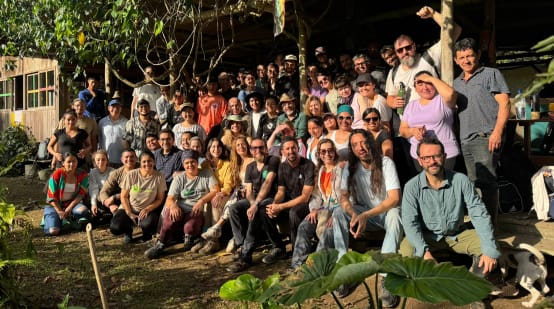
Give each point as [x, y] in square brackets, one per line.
[406, 48]
[329, 151]
[370, 119]
[433, 157]
[256, 148]
[348, 118]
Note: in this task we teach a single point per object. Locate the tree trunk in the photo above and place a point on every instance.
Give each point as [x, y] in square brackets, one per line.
[447, 30]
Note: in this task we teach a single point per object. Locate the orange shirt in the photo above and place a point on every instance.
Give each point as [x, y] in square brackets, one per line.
[211, 110]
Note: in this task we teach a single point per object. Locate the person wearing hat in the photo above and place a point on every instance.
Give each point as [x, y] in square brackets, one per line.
[211, 107]
[345, 116]
[367, 96]
[149, 91]
[94, 99]
[188, 124]
[290, 82]
[184, 206]
[255, 102]
[290, 113]
[236, 127]
[111, 131]
[139, 127]
[250, 86]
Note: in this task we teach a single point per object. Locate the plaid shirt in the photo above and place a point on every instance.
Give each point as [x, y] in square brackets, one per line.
[136, 131]
[169, 163]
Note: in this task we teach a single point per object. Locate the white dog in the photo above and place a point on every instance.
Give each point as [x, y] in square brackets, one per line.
[530, 267]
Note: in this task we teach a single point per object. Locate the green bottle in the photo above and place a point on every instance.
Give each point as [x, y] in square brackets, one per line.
[401, 93]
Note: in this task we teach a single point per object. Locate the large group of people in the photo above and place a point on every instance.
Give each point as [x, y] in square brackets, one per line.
[248, 152]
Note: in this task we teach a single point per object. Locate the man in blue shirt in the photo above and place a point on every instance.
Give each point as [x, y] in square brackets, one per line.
[94, 100]
[433, 209]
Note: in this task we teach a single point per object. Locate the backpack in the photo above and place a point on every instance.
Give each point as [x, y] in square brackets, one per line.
[425, 57]
[42, 152]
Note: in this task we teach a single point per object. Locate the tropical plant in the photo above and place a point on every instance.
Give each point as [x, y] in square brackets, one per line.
[547, 77]
[16, 147]
[406, 277]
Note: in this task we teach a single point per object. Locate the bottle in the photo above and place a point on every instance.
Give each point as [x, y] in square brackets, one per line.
[535, 107]
[520, 107]
[401, 93]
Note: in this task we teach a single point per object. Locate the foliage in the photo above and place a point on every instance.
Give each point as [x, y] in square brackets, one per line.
[65, 304]
[10, 217]
[16, 146]
[547, 77]
[407, 277]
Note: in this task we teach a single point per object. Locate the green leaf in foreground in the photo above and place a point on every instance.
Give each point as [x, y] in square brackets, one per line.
[245, 287]
[434, 283]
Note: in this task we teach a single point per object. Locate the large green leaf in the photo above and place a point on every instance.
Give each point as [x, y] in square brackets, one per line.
[433, 283]
[353, 267]
[245, 287]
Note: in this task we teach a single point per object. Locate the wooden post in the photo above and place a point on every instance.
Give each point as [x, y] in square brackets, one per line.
[97, 274]
[447, 30]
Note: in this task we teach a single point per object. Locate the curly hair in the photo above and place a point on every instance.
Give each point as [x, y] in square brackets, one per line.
[375, 159]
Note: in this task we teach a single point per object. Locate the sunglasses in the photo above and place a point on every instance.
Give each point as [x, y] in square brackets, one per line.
[256, 148]
[406, 48]
[371, 119]
[324, 152]
[348, 118]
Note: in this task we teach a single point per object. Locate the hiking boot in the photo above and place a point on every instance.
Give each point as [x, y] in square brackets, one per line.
[274, 255]
[199, 245]
[239, 266]
[214, 232]
[188, 243]
[155, 251]
[346, 289]
[387, 299]
[231, 246]
[210, 247]
[127, 239]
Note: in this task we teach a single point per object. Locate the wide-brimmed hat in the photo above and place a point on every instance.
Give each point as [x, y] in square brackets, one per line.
[254, 94]
[286, 98]
[236, 118]
[291, 58]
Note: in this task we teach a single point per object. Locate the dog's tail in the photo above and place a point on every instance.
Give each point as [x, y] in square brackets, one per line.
[536, 252]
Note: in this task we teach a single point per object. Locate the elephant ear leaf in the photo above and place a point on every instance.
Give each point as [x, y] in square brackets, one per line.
[245, 288]
[430, 282]
[353, 267]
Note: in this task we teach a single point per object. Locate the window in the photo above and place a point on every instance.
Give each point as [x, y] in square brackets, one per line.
[6, 94]
[40, 89]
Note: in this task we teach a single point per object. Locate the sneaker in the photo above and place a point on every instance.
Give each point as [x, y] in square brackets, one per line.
[214, 232]
[388, 300]
[274, 255]
[127, 239]
[231, 246]
[199, 245]
[155, 251]
[188, 243]
[239, 266]
[346, 289]
[210, 247]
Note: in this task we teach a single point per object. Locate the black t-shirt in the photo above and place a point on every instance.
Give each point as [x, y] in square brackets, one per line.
[257, 178]
[295, 178]
[71, 144]
[267, 126]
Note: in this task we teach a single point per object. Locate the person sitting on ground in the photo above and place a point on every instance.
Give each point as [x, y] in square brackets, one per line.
[142, 194]
[184, 207]
[324, 200]
[244, 214]
[295, 186]
[188, 124]
[433, 208]
[67, 187]
[110, 194]
[240, 158]
[97, 178]
[372, 124]
[370, 194]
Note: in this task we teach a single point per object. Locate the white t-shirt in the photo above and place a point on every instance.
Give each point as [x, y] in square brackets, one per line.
[360, 192]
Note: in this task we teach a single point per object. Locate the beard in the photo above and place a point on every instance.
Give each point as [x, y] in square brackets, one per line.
[408, 61]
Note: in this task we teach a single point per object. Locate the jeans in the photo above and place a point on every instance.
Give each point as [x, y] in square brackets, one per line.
[244, 230]
[389, 221]
[122, 223]
[296, 214]
[481, 169]
[53, 223]
[305, 245]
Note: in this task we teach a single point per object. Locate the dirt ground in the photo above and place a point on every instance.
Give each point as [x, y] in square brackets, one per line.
[178, 280]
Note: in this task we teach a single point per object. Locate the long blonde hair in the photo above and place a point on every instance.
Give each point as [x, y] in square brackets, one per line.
[236, 160]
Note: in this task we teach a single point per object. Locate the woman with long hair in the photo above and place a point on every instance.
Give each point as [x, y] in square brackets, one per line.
[316, 130]
[341, 136]
[367, 97]
[372, 124]
[325, 198]
[70, 139]
[240, 158]
[97, 178]
[67, 187]
[313, 107]
[142, 194]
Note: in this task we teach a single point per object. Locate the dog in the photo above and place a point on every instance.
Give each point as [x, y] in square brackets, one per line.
[530, 266]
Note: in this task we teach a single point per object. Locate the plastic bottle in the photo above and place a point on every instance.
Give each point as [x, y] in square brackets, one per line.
[401, 93]
[520, 107]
